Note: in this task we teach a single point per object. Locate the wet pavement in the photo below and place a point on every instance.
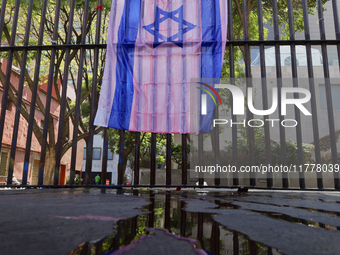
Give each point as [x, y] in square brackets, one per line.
[94, 221]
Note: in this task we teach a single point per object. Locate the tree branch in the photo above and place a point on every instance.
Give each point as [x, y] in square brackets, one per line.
[74, 108]
[68, 145]
[24, 112]
[27, 76]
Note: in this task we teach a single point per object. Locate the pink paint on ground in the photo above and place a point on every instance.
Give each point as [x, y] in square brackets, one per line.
[88, 217]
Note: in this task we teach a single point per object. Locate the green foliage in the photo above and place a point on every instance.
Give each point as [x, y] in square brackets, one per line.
[87, 75]
[72, 66]
[267, 18]
[239, 60]
[77, 179]
[267, 10]
[145, 141]
[176, 154]
[260, 149]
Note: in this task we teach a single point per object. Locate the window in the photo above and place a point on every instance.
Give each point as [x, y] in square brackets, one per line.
[42, 124]
[288, 61]
[84, 155]
[96, 153]
[110, 155]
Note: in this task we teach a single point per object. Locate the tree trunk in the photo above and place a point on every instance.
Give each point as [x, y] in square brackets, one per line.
[49, 166]
[124, 169]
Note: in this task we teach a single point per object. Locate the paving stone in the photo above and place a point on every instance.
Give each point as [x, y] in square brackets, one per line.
[288, 238]
[161, 242]
[57, 221]
[306, 203]
[293, 212]
[326, 196]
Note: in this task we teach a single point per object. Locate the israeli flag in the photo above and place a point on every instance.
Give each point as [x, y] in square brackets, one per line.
[154, 49]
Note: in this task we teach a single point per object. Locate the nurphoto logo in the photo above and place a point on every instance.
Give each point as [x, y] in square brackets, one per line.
[239, 101]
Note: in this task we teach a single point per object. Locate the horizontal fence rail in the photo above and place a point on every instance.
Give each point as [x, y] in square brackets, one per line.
[53, 58]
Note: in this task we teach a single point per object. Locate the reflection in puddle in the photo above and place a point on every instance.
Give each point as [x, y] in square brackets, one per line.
[166, 212]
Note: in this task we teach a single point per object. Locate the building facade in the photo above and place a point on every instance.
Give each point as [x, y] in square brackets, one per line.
[34, 162]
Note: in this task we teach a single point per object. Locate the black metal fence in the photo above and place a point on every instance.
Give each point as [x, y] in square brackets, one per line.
[83, 44]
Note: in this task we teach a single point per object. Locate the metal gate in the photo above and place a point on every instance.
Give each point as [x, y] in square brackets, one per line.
[49, 50]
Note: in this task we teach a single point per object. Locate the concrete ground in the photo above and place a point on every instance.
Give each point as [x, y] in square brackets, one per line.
[57, 221]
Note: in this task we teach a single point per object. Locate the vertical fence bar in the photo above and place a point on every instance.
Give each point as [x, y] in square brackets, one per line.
[89, 151]
[200, 229]
[64, 96]
[153, 159]
[78, 99]
[168, 159]
[104, 160]
[85, 249]
[8, 77]
[2, 17]
[312, 87]
[183, 219]
[264, 92]
[216, 134]
[236, 246]
[31, 121]
[115, 241]
[137, 156]
[296, 96]
[99, 247]
[279, 85]
[252, 247]
[49, 97]
[167, 216]
[133, 228]
[7, 81]
[328, 91]
[215, 238]
[20, 92]
[151, 209]
[121, 161]
[250, 137]
[200, 159]
[184, 159]
[232, 81]
[270, 252]
[337, 34]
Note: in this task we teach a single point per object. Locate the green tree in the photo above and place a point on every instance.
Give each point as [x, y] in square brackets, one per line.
[252, 18]
[176, 154]
[72, 65]
[129, 147]
[267, 10]
[260, 150]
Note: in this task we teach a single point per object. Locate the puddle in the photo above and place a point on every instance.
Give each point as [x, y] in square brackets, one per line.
[165, 212]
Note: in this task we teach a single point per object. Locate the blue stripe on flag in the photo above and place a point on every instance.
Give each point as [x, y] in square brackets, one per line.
[127, 35]
[211, 58]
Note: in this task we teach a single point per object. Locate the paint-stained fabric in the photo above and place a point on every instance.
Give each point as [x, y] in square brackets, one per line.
[154, 48]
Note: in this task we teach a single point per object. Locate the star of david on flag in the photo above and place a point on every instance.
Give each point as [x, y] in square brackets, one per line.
[154, 49]
[177, 16]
